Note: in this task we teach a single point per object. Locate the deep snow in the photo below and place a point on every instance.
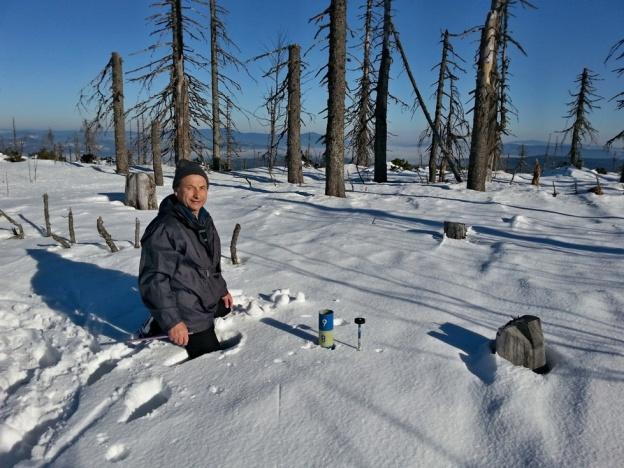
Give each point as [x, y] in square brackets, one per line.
[424, 391]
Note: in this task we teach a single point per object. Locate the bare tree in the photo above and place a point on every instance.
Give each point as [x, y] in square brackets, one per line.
[105, 94]
[223, 87]
[360, 115]
[181, 106]
[456, 130]
[231, 147]
[453, 128]
[381, 98]
[48, 141]
[617, 53]
[582, 103]
[421, 103]
[90, 129]
[486, 97]
[275, 101]
[293, 147]
[336, 87]
[491, 92]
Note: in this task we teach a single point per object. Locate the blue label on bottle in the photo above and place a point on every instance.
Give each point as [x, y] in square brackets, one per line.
[326, 320]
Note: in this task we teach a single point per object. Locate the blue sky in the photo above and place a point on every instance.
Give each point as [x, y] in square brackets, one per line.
[50, 49]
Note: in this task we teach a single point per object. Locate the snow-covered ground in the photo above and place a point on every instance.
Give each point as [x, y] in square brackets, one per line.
[424, 391]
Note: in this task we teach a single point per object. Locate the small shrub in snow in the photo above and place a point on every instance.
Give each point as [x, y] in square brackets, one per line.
[88, 159]
[48, 155]
[13, 156]
[401, 164]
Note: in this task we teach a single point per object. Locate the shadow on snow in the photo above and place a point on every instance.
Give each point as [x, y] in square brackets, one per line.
[104, 302]
[477, 353]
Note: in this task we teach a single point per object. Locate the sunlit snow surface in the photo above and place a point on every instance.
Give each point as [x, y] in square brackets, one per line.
[423, 391]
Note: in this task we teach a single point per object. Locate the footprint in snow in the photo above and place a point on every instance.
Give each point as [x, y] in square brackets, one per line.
[101, 370]
[231, 342]
[117, 452]
[215, 390]
[144, 398]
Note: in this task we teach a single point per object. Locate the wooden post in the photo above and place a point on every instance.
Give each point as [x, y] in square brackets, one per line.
[61, 240]
[233, 254]
[521, 342]
[18, 232]
[137, 230]
[46, 215]
[141, 191]
[106, 236]
[156, 154]
[455, 230]
[72, 234]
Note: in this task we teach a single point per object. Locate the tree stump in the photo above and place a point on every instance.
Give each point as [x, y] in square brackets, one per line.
[141, 191]
[521, 342]
[455, 230]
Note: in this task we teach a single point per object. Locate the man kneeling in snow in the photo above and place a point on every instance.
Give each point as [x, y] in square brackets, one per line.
[180, 272]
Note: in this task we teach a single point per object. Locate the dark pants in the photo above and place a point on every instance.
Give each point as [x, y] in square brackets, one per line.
[202, 342]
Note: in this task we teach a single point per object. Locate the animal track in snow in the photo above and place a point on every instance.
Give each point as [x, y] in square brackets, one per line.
[144, 398]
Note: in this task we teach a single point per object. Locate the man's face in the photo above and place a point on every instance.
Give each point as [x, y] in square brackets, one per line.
[192, 192]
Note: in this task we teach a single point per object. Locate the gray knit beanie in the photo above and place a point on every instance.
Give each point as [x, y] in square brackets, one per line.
[185, 168]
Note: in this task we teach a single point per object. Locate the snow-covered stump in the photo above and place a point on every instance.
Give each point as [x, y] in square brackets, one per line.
[141, 191]
[521, 342]
[455, 230]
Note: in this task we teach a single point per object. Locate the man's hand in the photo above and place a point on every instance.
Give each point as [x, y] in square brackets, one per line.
[228, 301]
[179, 334]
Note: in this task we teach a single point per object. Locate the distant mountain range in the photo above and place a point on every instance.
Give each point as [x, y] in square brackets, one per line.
[34, 140]
[256, 141]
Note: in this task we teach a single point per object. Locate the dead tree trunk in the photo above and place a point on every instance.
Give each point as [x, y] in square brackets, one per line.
[70, 221]
[229, 136]
[121, 155]
[437, 116]
[156, 154]
[214, 73]
[141, 191]
[334, 135]
[575, 143]
[455, 230]
[295, 172]
[521, 342]
[537, 171]
[486, 99]
[137, 233]
[181, 142]
[381, 102]
[361, 135]
[233, 254]
[18, 231]
[46, 215]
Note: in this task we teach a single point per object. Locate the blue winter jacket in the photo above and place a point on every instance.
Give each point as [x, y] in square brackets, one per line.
[180, 271]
